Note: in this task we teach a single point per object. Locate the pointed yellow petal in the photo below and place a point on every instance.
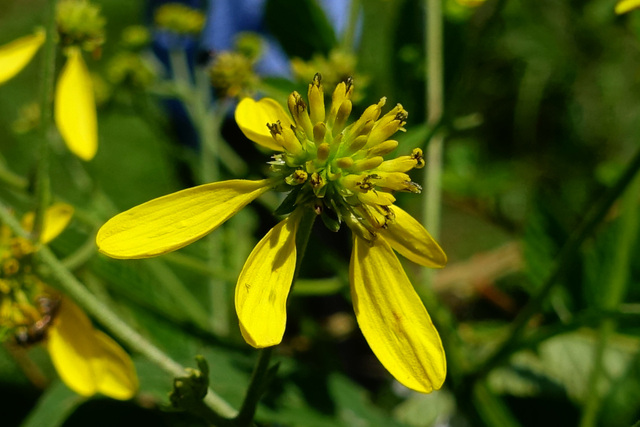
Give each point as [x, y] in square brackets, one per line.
[75, 107]
[14, 56]
[411, 240]
[171, 222]
[87, 360]
[252, 118]
[264, 284]
[56, 219]
[625, 6]
[115, 374]
[393, 319]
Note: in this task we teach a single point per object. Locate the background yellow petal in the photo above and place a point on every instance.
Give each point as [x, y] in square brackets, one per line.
[253, 116]
[264, 284]
[171, 222]
[56, 219]
[75, 107]
[393, 319]
[407, 236]
[70, 343]
[14, 56]
[115, 374]
[625, 6]
[87, 360]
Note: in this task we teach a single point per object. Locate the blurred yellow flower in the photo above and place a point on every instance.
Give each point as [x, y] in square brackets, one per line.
[79, 25]
[87, 360]
[625, 6]
[339, 172]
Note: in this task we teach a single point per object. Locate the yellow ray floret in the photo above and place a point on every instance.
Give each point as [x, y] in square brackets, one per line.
[407, 236]
[56, 219]
[264, 283]
[625, 6]
[171, 222]
[14, 56]
[253, 116]
[75, 107]
[392, 318]
[87, 360]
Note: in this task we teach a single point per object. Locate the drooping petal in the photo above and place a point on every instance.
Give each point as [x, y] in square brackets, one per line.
[625, 6]
[264, 284]
[75, 107]
[253, 116]
[407, 236]
[393, 319]
[14, 56]
[171, 222]
[56, 219]
[87, 360]
[115, 373]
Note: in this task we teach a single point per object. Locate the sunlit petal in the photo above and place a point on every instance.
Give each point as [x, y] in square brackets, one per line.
[253, 116]
[75, 107]
[56, 219]
[393, 319]
[171, 222]
[14, 56]
[625, 6]
[264, 284]
[87, 360]
[407, 236]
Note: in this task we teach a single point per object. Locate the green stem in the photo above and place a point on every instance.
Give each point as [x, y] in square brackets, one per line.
[582, 232]
[627, 230]
[43, 184]
[110, 320]
[435, 108]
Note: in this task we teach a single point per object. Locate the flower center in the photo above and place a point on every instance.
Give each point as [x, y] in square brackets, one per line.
[340, 169]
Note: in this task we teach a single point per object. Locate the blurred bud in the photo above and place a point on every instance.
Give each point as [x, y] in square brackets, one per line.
[80, 23]
[232, 75]
[135, 37]
[179, 18]
[250, 45]
[130, 69]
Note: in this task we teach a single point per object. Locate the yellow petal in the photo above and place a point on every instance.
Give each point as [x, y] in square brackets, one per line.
[56, 219]
[171, 222]
[115, 374]
[411, 240]
[14, 56]
[252, 118]
[625, 6]
[264, 284]
[393, 319]
[87, 360]
[75, 107]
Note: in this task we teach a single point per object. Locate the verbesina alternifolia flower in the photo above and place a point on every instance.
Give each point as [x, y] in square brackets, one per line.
[339, 172]
[31, 312]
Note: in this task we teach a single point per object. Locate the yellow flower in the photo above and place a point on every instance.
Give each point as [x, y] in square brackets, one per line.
[625, 6]
[79, 25]
[87, 360]
[338, 171]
